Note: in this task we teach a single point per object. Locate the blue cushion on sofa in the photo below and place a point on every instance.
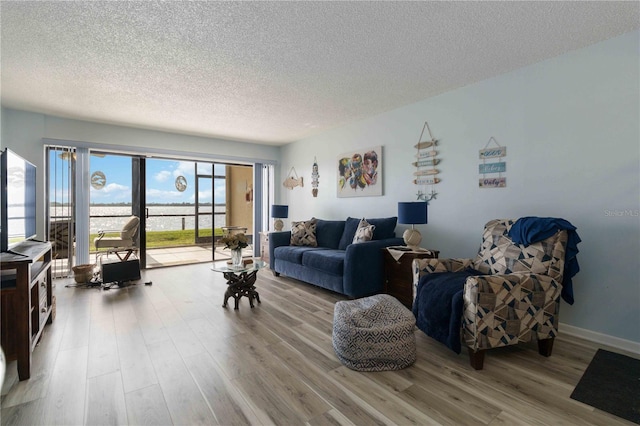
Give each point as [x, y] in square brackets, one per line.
[292, 253]
[350, 227]
[329, 232]
[385, 227]
[331, 261]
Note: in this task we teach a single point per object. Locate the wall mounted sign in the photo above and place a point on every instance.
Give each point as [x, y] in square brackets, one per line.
[360, 173]
[499, 167]
[426, 181]
[493, 182]
[425, 163]
[493, 167]
[425, 166]
[500, 151]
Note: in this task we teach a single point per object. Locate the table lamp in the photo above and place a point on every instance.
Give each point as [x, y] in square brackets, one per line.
[279, 212]
[413, 213]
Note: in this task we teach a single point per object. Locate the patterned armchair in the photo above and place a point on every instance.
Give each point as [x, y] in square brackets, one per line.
[517, 299]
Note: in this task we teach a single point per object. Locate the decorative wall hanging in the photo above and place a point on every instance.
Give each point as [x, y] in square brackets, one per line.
[360, 173]
[181, 183]
[315, 176]
[425, 164]
[495, 167]
[98, 180]
[248, 192]
[291, 182]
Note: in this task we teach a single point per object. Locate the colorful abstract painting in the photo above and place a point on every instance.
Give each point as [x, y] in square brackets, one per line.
[360, 173]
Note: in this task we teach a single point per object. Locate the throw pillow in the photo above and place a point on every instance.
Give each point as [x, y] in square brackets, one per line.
[350, 226]
[364, 232]
[304, 233]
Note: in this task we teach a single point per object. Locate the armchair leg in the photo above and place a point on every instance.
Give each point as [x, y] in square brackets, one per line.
[545, 346]
[476, 358]
[276, 274]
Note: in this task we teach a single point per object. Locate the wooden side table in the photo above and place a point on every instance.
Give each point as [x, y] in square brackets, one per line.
[240, 281]
[398, 280]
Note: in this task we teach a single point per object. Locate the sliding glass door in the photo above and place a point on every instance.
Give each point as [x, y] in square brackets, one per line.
[184, 206]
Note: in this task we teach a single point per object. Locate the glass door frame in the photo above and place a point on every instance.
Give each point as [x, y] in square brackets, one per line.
[199, 239]
[263, 190]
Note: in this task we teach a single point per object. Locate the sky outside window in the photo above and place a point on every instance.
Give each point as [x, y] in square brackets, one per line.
[161, 178]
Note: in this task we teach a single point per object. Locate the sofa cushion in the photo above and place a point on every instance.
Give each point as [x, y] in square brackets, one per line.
[304, 233]
[364, 232]
[292, 254]
[350, 227]
[328, 233]
[385, 227]
[330, 261]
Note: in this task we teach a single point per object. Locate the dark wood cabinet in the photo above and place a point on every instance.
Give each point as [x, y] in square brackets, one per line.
[26, 301]
[398, 280]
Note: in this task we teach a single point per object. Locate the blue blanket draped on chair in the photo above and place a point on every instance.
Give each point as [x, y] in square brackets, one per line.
[438, 306]
[529, 230]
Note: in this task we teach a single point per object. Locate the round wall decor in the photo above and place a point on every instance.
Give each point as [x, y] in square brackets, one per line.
[98, 180]
[181, 183]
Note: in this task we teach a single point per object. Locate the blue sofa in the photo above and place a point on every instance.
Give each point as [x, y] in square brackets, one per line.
[355, 270]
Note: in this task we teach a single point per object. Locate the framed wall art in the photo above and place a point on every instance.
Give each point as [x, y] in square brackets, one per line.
[360, 173]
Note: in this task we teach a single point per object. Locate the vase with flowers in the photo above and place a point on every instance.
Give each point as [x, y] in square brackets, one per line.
[235, 243]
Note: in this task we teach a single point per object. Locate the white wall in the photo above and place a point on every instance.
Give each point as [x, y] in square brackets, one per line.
[23, 133]
[572, 130]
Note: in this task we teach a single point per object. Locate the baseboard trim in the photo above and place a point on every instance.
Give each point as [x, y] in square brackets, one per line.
[605, 339]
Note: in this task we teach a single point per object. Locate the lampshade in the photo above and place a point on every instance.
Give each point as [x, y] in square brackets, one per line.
[413, 213]
[279, 211]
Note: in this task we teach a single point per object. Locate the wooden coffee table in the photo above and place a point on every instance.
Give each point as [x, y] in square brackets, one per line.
[240, 281]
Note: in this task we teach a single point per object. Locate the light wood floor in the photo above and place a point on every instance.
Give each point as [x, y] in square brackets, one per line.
[169, 353]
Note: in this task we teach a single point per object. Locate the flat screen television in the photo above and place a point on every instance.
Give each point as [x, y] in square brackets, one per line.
[18, 202]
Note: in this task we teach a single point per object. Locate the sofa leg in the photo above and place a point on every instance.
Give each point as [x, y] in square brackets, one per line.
[545, 346]
[275, 274]
[476, 358]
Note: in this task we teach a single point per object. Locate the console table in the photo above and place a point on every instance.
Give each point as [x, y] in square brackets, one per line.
[26, 298]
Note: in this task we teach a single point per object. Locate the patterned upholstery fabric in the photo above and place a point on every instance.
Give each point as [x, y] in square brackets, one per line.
[518, 298]
[374, 333]
[304, 233]
[499, 255]
[364, 232]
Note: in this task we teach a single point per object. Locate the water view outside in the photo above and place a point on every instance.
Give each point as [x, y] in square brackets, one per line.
[161, 217]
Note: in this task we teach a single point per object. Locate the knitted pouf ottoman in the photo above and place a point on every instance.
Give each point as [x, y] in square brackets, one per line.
[374, 333]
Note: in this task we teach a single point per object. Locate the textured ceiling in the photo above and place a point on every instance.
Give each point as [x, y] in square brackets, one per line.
[273, 72]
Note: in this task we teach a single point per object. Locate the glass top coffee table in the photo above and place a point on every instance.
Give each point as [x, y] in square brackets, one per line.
[240, 281]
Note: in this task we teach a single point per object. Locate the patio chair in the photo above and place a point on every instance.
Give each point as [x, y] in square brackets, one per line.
[123, 245]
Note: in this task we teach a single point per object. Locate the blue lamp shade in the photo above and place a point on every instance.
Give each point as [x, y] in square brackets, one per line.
[279, 211]
[413, 213]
